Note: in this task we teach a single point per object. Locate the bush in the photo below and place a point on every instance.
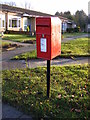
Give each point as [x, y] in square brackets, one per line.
[76, 29]
[70, 30]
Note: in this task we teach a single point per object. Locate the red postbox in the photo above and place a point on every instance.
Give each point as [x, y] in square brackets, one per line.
[48, 37]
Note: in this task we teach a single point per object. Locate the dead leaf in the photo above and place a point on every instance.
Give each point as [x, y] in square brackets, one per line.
[59, 96]
[78, 110]
[85, 86]
[40, 103]
[72, 58]
[81, 95]
[12, 48]
[72, 110]
[72, 96]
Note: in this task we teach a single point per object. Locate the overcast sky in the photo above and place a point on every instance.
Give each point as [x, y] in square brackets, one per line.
[52, 6]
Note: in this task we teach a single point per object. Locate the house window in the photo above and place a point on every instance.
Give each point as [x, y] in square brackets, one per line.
[10, 23]
[0, 22]
[3, 23]
[14, 22]
[19, 23]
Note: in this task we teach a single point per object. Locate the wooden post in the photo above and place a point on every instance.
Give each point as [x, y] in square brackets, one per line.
[6, 21]
[48, 78]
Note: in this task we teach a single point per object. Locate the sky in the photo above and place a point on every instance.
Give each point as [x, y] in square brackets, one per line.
[52, 6]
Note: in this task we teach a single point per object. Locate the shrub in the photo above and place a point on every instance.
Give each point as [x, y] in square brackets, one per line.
[69, 30]
[76, 29]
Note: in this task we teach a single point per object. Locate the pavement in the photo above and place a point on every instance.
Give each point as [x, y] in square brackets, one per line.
[74, 37]
[6, 62]
[7, 55]
[9, 64]
[12, 113]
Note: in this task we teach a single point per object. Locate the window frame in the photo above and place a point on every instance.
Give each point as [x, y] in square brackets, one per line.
[18, 22]
[3, 25]
[2, 18]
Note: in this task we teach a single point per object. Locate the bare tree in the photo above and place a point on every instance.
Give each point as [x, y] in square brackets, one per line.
[27, 5]
[12, 4]
[9, 3]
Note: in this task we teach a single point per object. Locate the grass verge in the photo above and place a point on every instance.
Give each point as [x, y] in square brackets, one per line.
[69, 35]
[5, 43]
[69, 98]
[74, 48]
[23, 37]
[9, 46]
[18, 38]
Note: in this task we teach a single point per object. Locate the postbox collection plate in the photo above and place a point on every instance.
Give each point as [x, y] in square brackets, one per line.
[43, 44]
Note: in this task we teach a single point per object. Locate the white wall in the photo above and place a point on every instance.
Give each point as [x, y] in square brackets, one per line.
[25, 22]
[2, 18]
[64, 26]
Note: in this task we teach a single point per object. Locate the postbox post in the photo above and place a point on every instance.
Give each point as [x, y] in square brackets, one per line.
[48, 78]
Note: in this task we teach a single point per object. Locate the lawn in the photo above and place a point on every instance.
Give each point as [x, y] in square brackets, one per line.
[69, 97]
[26, 56]
[23, 37]
[9, 46]
[69, 35]
[4, 43]
[18, 37]
[76, 48]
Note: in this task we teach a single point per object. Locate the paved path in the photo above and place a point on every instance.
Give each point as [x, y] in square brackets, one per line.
[58, 62]
[7, 55]
[74, 37]
[9, 64]
[11, 112]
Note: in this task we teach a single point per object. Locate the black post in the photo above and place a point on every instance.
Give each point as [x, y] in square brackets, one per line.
[48, 78]
[62, 28]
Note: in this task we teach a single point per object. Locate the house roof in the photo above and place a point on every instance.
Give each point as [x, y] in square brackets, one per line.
[65, 19]
[8, 8]
[27, 12]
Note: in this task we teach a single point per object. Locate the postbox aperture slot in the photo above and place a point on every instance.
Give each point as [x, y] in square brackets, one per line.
[43, 25]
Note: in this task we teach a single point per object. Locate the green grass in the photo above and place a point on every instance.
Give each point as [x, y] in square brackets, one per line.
[23, 37]
[69, 97]
[4, 43]
[69, 35]
[76, 48]
[18, 38]
[26, 56]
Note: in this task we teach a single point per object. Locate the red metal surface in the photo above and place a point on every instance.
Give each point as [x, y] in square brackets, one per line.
[49, 29]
